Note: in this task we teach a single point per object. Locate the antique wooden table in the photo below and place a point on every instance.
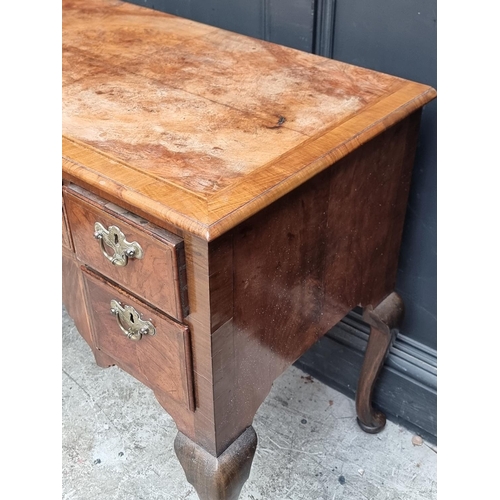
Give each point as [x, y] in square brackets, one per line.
[226, 201]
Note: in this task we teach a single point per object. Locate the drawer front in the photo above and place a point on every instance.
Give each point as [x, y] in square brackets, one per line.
[161, 361]
[155, 273]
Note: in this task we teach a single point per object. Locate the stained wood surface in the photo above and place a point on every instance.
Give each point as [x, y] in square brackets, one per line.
[162, 361]
[205, 127]
[159, 277]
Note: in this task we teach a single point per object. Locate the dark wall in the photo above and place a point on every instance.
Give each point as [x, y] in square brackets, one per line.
[288, 22]
[399, 37]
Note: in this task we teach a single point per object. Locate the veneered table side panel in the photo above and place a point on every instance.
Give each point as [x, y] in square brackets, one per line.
[297, 267]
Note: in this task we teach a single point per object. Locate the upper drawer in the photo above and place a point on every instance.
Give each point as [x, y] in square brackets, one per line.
[156, 270]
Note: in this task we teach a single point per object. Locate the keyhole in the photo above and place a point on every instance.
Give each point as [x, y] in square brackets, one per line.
[132, 318]
[116, 238]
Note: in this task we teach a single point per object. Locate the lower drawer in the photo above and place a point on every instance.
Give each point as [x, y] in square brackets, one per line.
[150, 346]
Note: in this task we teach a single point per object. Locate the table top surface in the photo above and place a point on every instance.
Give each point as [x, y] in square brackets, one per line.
[203, 127]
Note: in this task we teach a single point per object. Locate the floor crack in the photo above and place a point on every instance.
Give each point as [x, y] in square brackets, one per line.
[92, 400]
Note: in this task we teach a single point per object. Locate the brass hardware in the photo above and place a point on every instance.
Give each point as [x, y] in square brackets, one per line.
[130, 322]
[115, 239]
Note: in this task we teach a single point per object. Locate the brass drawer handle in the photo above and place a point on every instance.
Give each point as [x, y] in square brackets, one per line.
[130, 322]
[115, 239]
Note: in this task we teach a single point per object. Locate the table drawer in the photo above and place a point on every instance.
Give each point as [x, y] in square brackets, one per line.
[150, 346]
[156, 272]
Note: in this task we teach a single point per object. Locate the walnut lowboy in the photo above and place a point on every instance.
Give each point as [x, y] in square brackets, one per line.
[226, 201]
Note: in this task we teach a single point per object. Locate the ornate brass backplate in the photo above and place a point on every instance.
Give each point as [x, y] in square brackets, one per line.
[114, 238]
[130, 322]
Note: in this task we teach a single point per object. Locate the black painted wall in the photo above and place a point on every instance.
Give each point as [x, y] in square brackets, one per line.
[396, 37]
[288, 22]
[399, 37]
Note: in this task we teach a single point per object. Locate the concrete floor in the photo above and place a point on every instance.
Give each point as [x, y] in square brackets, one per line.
[118, 442]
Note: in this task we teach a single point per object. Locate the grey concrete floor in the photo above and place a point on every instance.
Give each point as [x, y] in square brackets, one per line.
[118, 442]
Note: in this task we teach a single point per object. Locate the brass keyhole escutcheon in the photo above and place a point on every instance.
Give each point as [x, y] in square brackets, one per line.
[114, 239]
[130, 321]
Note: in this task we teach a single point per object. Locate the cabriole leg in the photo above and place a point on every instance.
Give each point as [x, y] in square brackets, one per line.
[218, 478]
[382, 320]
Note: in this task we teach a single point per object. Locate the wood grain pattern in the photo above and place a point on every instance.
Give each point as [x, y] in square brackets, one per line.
[285, 116]
[158, 277]
[114, 31]
[368, 197]
[161, 133]
[162, 362]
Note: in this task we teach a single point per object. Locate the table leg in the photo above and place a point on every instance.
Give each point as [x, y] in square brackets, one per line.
[382, 320]
[217, 478]
[101, 359]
